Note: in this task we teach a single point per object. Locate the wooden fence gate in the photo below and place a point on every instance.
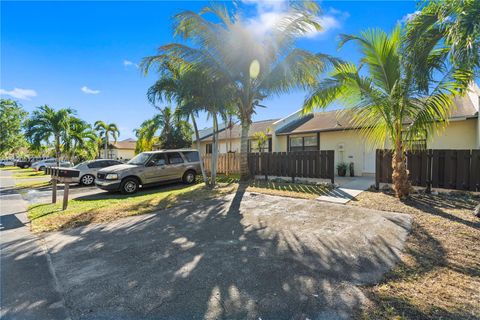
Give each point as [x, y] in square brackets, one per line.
[228, 163]
[449, 169]
[302, 164]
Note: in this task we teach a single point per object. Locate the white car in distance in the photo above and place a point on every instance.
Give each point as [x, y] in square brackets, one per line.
[41, 165]
[88, 170]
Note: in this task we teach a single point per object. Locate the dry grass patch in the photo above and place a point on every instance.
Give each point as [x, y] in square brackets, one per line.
[108, 207]
[439, 275]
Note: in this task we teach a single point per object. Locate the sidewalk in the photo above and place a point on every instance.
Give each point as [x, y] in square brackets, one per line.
[348, 189]
[28, 289]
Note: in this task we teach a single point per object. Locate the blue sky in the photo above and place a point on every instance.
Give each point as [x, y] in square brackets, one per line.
[84, 54]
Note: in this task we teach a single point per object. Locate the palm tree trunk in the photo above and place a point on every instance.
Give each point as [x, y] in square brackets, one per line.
[197, 137]
[57, 150]
[401, 185]
[214, 151]
[106, 145]
[244, 171]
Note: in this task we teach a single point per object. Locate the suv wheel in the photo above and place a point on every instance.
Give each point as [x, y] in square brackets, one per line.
[25, 166]
[129, 186]
[42, 168]
[189, 177]
[2, 165]
[87, 180]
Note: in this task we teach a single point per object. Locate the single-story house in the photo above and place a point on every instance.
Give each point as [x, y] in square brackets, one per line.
[332, 130]
[121, 150]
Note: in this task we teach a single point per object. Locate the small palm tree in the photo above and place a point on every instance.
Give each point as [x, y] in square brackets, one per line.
[80, 139]
[384, 100]
[46, 123]
[449, 33]
[105, 131]
[254, 65]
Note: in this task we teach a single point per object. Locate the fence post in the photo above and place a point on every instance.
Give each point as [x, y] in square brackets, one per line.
[378, 168]
[429, 171]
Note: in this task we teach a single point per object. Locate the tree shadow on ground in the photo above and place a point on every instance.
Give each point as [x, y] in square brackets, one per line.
[211, 259]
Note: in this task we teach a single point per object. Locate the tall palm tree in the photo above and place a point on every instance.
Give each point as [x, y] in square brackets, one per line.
[80, 139]
[384, 100]
[105, 131]
[194, 91]
[255, 65]
[46, 123]
[449, 32]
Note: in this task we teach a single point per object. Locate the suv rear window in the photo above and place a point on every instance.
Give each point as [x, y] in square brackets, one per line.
[191, 156]
[174, 158]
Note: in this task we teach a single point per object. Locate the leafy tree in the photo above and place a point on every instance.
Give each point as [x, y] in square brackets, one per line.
[255, 65]
[12, 117]
[45, 123]
[446, 33]
[384, 100]
[106, 131]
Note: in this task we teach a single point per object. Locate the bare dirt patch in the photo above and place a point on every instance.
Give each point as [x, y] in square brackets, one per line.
[439, 276]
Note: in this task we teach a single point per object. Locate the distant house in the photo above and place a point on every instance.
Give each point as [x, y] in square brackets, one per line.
[121, 150]
[332, 130]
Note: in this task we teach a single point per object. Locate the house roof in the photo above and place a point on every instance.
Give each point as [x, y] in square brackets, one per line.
[337, 120]
[128, 144]
[236, 130]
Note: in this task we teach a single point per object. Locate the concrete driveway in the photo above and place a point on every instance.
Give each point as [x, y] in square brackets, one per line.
[245, 256]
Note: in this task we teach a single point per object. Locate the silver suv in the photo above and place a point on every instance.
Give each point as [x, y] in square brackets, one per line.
[150, 168]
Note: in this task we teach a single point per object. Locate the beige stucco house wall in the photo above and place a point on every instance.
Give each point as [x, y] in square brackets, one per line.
[462, 134]
[121, 150]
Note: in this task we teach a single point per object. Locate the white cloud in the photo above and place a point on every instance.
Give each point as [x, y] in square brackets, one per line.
[128, 63]
[410, 16]
[23, 94]
[87, 90]
[269, 12]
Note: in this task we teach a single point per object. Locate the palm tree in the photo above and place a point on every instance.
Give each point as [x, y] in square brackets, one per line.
[80, 139]
[105, 131]
[194, 91]
[255, 65]
[449, 32]
[384, 100]
[46, 123]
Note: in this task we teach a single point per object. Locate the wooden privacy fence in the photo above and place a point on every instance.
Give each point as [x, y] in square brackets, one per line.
[449, 169]
[302, 164]
[227, 163]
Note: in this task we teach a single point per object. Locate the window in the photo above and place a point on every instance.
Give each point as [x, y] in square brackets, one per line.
[209, 148]
[191, 156]
[174, 158]
[97, 164]
[157, 160]
[309, 143]
[296, 144]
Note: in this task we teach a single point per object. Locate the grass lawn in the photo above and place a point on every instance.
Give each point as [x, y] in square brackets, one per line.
[108, 207]
[28, 173]
[439, 274]
[22, 185]
[13, 169]
[281, 188]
